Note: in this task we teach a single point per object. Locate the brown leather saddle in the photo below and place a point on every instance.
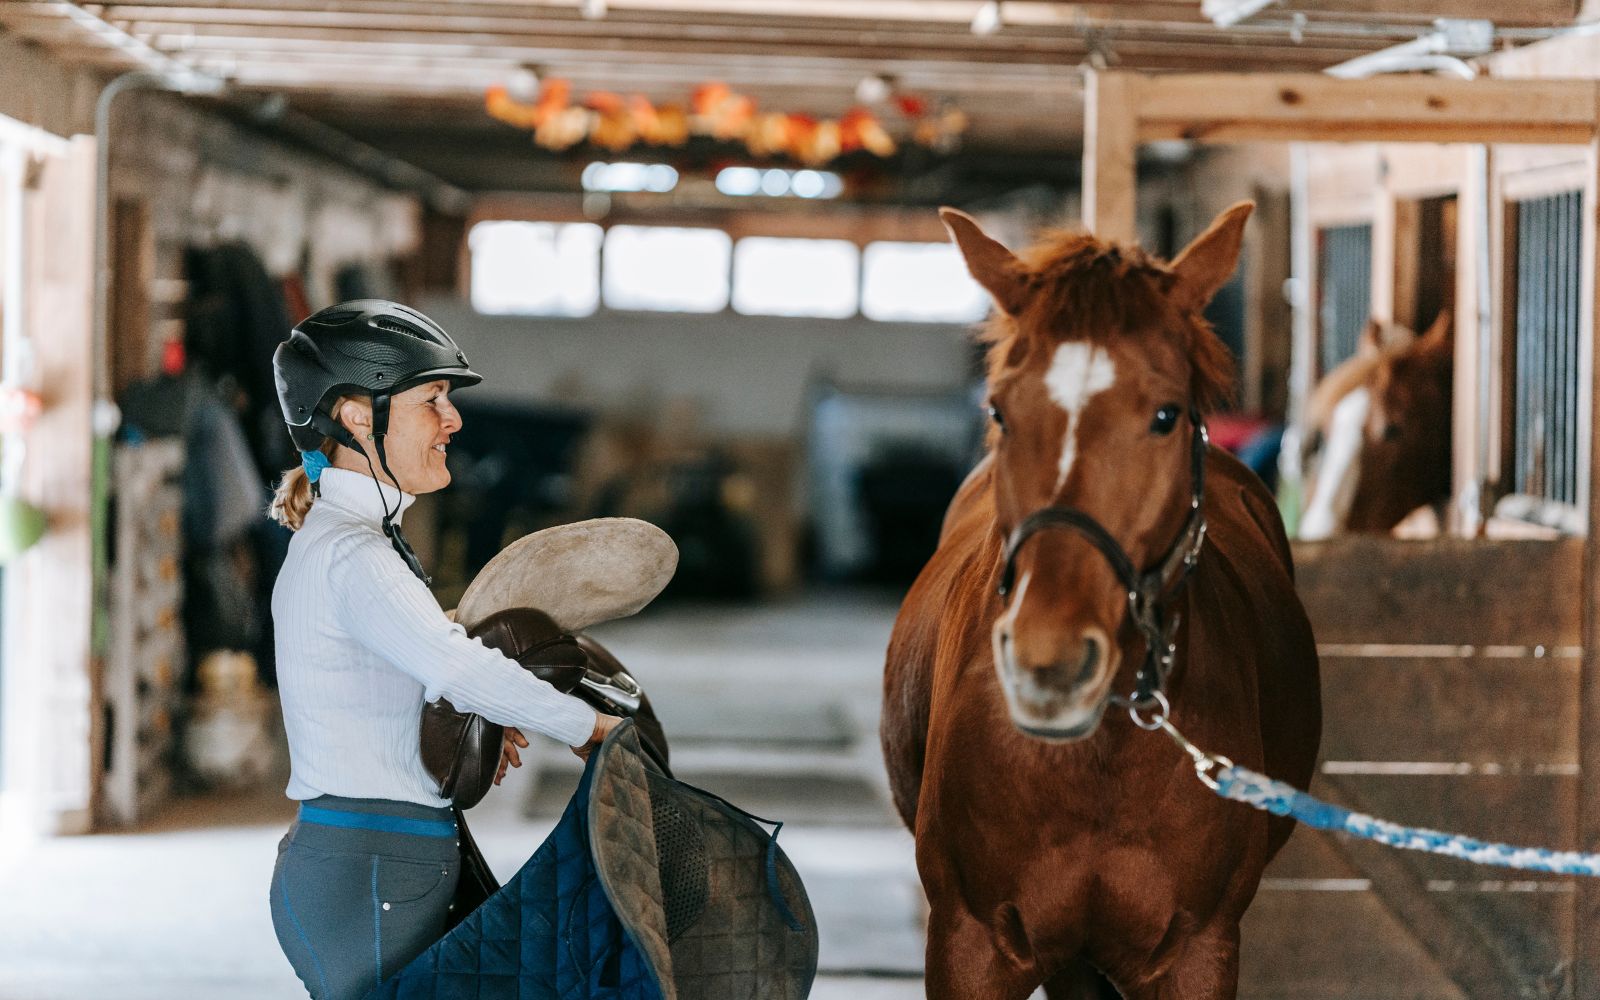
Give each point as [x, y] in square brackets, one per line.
[462, 751]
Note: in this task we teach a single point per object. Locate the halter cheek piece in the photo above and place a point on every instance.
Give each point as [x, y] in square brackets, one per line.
[1145, 590]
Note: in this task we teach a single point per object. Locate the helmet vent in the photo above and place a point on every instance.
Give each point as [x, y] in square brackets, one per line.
[391, 326]
[338, 318]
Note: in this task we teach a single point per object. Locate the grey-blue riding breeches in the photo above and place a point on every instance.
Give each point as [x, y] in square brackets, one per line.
[360, 888]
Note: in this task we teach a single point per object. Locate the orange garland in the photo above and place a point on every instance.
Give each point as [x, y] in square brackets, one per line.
[615, 123]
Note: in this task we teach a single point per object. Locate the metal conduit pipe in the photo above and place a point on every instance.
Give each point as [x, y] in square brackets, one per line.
[343, 148]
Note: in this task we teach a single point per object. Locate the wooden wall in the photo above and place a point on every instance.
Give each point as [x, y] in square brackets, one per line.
[1452, 703]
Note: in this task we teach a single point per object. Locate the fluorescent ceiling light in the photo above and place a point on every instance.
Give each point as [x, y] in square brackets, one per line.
[1227, 13]
[987, 20]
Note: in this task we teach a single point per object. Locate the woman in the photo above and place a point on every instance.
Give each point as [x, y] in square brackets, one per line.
[365, 876]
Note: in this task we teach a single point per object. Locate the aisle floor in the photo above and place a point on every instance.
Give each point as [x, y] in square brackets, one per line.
[775, 707]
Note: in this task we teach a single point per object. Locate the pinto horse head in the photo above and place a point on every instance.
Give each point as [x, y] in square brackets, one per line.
[1099, 366]
[1405, 457]
[1380, 425]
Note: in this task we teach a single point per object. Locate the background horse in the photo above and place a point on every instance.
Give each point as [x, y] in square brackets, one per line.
[1052, 844]
[1380, 425]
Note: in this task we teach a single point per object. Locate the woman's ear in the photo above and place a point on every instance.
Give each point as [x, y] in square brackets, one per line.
[356, 416]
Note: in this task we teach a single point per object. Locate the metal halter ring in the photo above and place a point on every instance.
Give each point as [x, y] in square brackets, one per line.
[1159, 720]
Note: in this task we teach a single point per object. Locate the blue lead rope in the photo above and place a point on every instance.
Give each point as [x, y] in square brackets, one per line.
[1261, 792]
[1240, 784]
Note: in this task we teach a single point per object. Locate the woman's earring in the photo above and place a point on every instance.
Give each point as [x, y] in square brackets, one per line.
[369, 437]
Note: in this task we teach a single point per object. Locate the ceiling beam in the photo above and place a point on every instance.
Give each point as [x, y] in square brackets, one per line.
[1060, 55]
[1018, 13]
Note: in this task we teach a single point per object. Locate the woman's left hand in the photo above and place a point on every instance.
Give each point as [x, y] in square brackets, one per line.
[508, 751]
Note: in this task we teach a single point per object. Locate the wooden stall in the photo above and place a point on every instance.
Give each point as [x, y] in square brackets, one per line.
[1461, 676]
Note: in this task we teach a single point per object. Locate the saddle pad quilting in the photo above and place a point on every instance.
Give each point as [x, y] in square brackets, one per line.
[548, 934]
[554, 931]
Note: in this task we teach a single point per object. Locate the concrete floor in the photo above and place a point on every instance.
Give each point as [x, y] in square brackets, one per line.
[775, 707]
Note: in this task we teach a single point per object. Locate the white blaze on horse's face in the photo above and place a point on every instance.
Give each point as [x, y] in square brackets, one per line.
[1078, 372]
[1335, 486]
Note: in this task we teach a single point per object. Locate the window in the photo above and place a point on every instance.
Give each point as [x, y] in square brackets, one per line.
[924, 282]
[676, 270]
[537, 268]
[744, 182]
[793, 277]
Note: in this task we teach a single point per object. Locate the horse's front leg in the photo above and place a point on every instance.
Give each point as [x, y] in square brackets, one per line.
[1205, 967]
[965, 963]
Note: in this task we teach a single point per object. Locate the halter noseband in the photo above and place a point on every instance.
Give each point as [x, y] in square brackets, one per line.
[1146, 589]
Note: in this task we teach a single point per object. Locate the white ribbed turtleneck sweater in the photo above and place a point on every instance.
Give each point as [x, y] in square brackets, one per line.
[362, 643]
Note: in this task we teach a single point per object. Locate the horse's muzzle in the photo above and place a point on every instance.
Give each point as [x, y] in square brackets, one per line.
[1061, 695]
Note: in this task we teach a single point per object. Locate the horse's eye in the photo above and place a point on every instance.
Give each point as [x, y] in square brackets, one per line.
[1166, 419]
[1391, 432]
[998, 417]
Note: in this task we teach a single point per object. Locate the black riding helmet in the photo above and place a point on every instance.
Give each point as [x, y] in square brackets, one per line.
[367, 347]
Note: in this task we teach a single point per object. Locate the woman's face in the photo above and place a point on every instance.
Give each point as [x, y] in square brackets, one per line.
[421, 422]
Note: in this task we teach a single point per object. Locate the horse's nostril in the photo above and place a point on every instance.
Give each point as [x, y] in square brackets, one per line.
[1090, 661]
[1074, 665]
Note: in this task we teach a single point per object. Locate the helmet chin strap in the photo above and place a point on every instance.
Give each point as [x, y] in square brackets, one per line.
[397, 538]
[380, 429]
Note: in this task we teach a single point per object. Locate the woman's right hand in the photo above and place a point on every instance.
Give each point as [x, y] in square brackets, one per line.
[603, 724]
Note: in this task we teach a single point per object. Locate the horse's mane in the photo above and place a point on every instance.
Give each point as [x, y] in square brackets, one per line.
[1101, 290]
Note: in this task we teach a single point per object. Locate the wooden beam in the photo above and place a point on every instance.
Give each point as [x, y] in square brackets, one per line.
[1061, 53]
[1237, 107]
[1030, 13]
[1110, 146]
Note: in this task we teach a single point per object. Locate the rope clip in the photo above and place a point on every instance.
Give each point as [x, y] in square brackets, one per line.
[1204, 763]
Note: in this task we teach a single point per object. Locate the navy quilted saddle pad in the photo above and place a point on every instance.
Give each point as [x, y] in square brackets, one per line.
[647, 889]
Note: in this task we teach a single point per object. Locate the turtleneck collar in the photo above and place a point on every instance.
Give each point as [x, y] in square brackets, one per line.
[356, 492]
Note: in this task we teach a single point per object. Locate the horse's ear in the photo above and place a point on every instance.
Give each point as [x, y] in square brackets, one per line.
[992, 265]
[1370, 342]
[1442, 333]
[1206, 264]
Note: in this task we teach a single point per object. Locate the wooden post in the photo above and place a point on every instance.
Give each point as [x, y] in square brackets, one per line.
[1110, 147]
[48, 603]
[1586, 916]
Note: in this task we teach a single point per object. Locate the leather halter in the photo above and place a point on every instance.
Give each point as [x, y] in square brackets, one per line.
[1145, 590]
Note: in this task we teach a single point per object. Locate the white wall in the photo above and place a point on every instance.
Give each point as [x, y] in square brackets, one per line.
[748, 375]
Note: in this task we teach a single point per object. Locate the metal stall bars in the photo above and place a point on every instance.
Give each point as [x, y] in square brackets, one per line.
[1549, 248]
[1344, 283]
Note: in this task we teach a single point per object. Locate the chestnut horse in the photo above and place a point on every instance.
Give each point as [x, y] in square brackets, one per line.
[1382, 426]
[1054, 845]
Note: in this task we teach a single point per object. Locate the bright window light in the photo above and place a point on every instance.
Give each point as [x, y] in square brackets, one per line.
[793, 277]
[535, 268]
[921, 282]
[659, 267]
[742, 182]
[655, 177]
[738, 182]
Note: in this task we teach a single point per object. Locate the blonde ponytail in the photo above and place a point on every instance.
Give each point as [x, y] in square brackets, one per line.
[292, 501]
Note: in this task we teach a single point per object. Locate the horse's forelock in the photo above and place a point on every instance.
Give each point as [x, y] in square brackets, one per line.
[1082, 288]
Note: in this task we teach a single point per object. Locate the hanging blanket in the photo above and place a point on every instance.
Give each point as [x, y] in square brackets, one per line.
[647, 889]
